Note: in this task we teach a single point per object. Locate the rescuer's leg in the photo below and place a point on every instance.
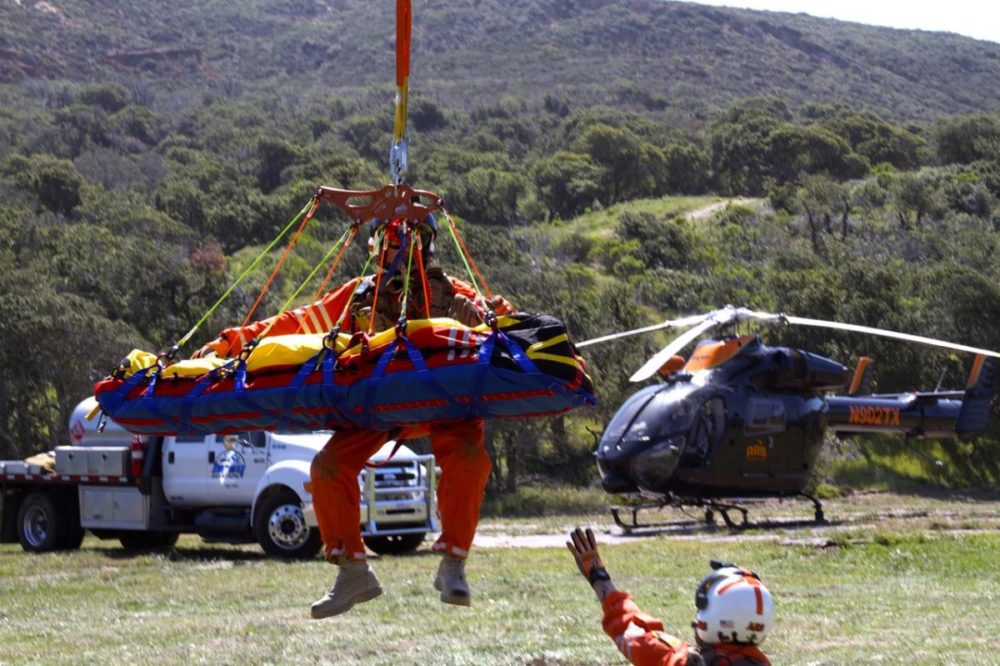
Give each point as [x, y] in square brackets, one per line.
[337, 502]
[460, 450]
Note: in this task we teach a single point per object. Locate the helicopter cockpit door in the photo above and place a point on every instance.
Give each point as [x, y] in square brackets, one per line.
[764, 425]
[705, 434]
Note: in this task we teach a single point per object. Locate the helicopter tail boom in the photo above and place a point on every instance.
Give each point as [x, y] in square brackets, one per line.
[927, 415]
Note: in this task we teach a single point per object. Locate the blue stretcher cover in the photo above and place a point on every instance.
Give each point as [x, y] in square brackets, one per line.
[436, 371]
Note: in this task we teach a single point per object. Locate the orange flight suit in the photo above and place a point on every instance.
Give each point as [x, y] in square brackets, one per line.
[458, 448]
[637, 636]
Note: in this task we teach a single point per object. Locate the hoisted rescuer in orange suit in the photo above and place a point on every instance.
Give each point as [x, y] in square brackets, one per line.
[734, 613]
[458, 447]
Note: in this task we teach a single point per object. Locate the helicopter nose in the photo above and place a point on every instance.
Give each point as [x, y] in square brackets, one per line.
[652, 468]
[614, 482]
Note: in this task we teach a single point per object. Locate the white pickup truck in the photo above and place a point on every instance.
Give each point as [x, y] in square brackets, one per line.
[236, 488]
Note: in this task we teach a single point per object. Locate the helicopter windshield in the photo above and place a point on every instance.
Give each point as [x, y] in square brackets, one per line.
[644, 418]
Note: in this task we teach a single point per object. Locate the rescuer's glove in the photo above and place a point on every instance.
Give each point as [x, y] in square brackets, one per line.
[502, 306]
[216, 347]
[583, 545]
[464, 311]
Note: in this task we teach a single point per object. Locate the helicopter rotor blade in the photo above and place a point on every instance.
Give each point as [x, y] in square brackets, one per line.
[821, 323]
[678, 343]
[670, 323]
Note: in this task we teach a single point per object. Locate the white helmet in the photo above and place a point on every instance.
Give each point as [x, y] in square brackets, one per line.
[733, 607]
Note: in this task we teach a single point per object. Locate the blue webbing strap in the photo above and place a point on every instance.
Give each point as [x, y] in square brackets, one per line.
[187, 402]
[424, 373]
[111, 403]
[419, 365]
[484, 364]
[295, 386]
[239, 387]
[526, 364]
[149, 401]
[374, 378]
[330, 387]
[479, 380]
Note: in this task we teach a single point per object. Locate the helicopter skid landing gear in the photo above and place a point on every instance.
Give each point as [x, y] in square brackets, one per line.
[634, 524]
[743, 522]
[724, 509]
[817, 508]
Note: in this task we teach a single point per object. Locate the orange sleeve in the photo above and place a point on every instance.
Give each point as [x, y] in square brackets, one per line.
[462, 287]
[318, 317]
[640, 644]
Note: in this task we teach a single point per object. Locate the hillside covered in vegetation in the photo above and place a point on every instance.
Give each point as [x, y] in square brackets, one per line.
[590, 149]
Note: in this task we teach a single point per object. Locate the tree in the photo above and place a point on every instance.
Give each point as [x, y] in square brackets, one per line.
[54, 182]
[660, 243]
[819, 198]
[567, 182]
[275, 156]
[687, 169]
[738, 141]
[488, 195]
[792, 151]
[110, 97]
[626, 160]
[53, 347]
[915, 196]
[878, 141]
[965, 139]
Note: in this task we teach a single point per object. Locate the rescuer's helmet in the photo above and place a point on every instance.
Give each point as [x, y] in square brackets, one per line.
[733, 607]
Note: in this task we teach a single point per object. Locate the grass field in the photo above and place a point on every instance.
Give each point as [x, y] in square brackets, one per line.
[900, 580]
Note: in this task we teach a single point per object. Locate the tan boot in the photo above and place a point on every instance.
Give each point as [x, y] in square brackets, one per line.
[355, 584]
[450, 581]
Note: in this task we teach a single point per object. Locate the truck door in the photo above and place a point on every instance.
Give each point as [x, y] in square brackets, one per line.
[186, 468]
[238, 461]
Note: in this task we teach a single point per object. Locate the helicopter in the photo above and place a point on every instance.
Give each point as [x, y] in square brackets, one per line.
[740, 419]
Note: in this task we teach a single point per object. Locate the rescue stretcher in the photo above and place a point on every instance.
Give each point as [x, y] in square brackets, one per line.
[424, 371]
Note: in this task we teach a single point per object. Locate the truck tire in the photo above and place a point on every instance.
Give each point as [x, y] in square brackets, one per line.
[395, 544]
[40, 528]
[72, 532]
[281, 529]
[144, 542]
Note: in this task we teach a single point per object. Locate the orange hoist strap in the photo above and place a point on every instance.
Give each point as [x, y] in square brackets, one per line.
[423, 277]
[281, 261]
[336, 262]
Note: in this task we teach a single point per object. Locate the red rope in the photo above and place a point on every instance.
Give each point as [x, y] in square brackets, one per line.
[423, 277]
[336, 262]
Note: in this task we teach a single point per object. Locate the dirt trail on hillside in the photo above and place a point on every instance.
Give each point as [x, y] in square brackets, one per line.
[706, 212]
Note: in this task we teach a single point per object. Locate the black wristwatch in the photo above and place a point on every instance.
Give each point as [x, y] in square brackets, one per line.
[597, 573]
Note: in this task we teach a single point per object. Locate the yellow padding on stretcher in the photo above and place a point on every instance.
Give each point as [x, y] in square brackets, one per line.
[275, 351]
[412, 326]
[289, 350]
[195, 367]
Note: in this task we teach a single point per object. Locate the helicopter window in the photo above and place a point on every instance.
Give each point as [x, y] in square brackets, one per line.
[704, 434]
[765, 416]
[646, 417]
[620, 423]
